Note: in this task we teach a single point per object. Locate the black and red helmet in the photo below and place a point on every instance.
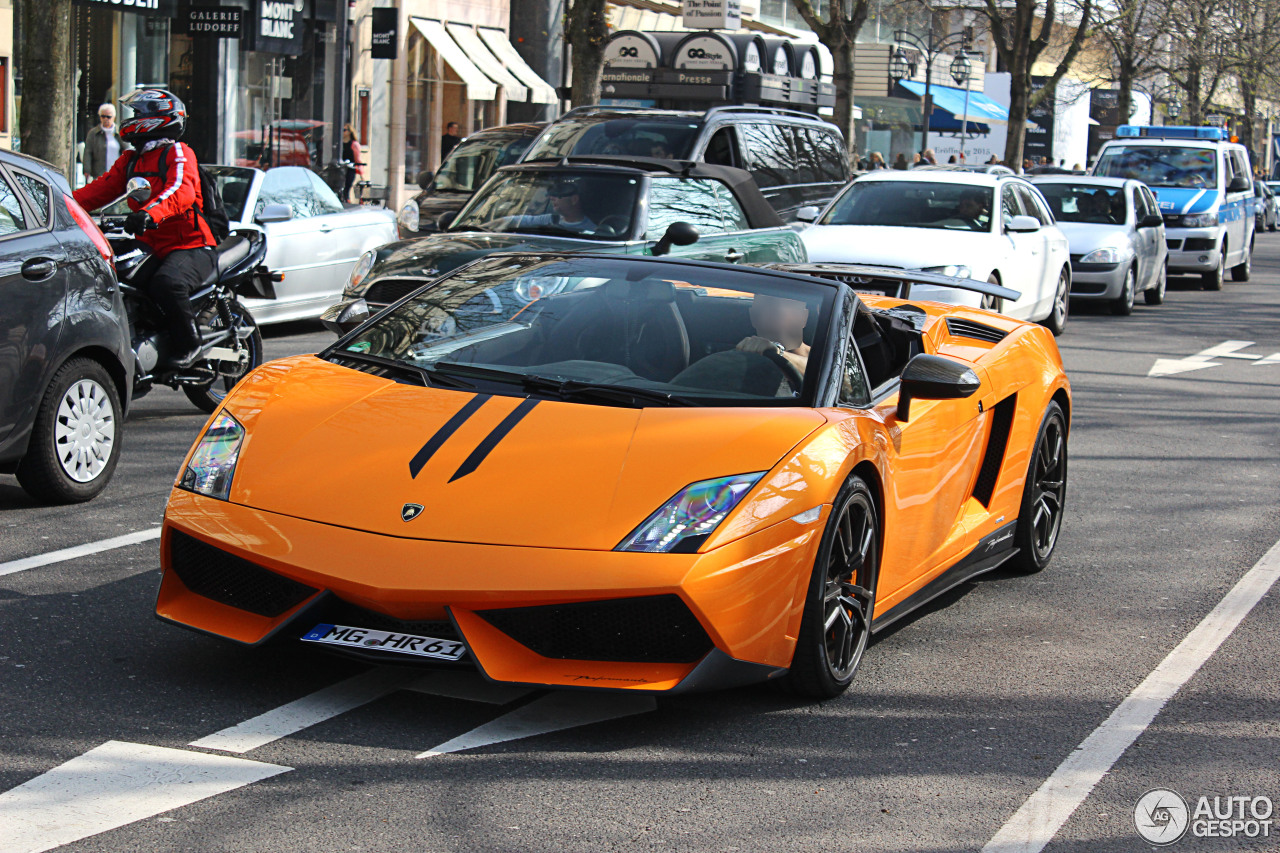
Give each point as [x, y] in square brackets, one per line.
[157, 114]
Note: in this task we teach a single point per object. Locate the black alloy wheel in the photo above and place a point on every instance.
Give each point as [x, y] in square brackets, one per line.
[840, 603]
[1043, 495]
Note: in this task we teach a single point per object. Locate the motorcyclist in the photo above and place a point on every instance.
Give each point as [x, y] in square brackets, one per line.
[170, 220]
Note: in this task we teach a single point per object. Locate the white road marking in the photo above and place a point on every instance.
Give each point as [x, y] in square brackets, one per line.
[1274, 358]
[1202, 359]
[1035, 824]
[311, 709]
[15, 566]
[113, 785]
[551, 713]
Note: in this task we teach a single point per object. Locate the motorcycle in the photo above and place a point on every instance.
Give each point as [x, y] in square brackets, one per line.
[231, 343]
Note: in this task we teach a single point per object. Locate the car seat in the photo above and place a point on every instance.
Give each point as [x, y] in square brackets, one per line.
[634, 324]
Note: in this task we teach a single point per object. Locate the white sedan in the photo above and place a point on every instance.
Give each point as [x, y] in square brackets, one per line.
[942, 222]
[313, 240]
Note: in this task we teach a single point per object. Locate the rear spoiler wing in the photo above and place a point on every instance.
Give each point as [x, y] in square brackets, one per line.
[890, 281]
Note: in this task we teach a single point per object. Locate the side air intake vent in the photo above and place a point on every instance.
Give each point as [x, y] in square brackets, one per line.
[969, 329]
[231, 580]
[989, 473]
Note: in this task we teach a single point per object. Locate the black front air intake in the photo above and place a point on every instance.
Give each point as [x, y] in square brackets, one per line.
[653, 629]
[969, 329]
[231, 580]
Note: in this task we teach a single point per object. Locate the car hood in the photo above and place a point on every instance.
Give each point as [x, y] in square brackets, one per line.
[334, 445]
[1084, 237]
[906, 248]
[439, 253]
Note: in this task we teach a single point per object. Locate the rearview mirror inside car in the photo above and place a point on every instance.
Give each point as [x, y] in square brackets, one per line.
[1023, 225]
[275, 213]
[935, 377]
[345, 316]
[677, 234]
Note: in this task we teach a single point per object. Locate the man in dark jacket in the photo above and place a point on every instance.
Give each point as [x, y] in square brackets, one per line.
[103, 145]
[170, 220]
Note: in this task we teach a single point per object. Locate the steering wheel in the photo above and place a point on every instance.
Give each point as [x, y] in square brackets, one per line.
[795, 379]
[613, 226]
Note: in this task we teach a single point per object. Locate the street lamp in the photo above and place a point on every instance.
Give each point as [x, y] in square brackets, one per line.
[899, 64]
[961, 68]
[931, 49]
[1174, 109]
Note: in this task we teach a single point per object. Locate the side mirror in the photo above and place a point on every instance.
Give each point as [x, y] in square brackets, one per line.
[808, 213]
[935, 377]
[1151, 221]
[1023, 225]
[1239, 184]
[275, 213]
[138, 189]
[425, 178]
[677, 234]
[345, 316]
[446, 219]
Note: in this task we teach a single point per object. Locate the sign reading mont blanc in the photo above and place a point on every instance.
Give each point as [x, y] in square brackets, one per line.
[712, 14]
[385, 39]
[279, 26]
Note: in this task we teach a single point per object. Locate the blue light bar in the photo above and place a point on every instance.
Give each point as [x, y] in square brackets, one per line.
[1130, 131]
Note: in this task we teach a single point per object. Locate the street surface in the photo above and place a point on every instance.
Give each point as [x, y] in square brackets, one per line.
[957, 716]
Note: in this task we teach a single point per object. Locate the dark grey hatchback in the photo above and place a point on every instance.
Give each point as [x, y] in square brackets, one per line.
[65, 360]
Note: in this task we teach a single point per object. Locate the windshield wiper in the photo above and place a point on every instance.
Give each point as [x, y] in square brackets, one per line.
[403, 370]
[568, 390]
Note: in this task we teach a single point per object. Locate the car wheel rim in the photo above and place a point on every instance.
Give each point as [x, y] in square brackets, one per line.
[84, 432]
[1127, 296]
[847, 596]
[1060, 301]
[1050, 483]
[1164, 280]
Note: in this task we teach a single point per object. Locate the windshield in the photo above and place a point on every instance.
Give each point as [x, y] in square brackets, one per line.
[913, 204]
[473, 160]
[611, 331]
[589, 205]
[1161, 165]
[1085, 203]
[669, 139]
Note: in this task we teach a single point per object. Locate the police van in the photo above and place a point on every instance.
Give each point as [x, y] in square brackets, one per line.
[1204, 186]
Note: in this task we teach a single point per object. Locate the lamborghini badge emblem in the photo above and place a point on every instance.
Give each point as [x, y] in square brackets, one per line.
[409, 512]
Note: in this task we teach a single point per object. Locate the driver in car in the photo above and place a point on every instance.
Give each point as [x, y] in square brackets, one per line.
[779, 325]
[971, 212]
[566, 207]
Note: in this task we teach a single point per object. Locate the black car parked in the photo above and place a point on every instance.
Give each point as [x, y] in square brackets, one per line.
[796, 158]
[65, 361]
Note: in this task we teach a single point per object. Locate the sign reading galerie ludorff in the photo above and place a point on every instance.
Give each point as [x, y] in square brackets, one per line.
[712, 14]
[215, 22]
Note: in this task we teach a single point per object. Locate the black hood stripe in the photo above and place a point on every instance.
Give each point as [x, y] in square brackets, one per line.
[491, 440]
[423, 456]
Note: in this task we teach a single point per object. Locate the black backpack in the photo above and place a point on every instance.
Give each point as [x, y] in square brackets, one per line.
[211, 210]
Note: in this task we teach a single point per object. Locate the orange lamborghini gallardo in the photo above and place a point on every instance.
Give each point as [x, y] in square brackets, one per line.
[622, 473]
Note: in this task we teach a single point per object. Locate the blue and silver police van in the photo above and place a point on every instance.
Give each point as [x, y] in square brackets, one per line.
[1203, 184]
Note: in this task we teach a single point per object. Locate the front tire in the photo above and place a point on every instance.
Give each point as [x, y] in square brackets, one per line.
[1242, 270]
[1123, 305]
[1155, 296]
[840, 602]
[992, 303]
[209, 397]
[75, 442]
[1043, 495]
[1212, 280]
[1056, 322]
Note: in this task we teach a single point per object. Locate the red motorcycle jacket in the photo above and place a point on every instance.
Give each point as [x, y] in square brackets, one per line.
[175, 200]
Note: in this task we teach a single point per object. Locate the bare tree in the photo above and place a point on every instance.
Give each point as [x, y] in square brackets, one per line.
[1196, 61]
[588, 31]
[838, 31]
[1253, 42]
[1130, 30]
[44, 59]
[1022, 31]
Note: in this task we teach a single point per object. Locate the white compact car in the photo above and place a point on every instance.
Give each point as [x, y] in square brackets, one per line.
[942, 221]
[313, 240]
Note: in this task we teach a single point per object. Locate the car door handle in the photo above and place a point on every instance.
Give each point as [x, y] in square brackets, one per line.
[39, 269]
[326, 227]
[733, 256]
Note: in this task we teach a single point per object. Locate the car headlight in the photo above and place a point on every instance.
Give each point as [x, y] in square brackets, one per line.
[358, 273]
[1106, 255]
[409, 216]
[213, 463]
[953, 270]
[684, 522]
[1200, 220]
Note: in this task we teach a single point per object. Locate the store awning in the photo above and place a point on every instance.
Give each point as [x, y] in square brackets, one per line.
[949, 99]
[479, 54]
[479, 87]
[540, 91]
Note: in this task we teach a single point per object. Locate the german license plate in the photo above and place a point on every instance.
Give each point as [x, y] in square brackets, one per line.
[385, 641]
